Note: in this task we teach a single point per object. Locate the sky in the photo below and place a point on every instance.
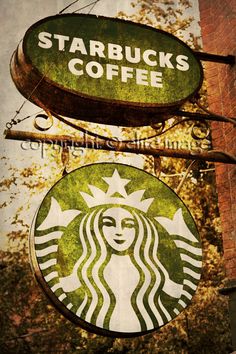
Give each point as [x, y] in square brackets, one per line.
[15, 18]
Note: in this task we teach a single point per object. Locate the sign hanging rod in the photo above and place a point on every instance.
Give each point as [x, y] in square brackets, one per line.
[223, 59]
[200, 116]
[118, 146]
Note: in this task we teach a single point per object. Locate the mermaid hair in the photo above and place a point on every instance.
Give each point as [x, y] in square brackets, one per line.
[99, 301]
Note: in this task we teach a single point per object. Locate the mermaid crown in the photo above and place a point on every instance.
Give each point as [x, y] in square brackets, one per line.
[116, 194]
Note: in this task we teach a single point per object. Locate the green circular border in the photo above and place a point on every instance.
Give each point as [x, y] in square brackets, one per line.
[44, 284]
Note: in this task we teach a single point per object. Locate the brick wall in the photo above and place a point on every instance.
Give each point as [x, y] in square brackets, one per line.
[218, 24]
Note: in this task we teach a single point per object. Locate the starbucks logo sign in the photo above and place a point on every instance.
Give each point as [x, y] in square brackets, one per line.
[116, 250]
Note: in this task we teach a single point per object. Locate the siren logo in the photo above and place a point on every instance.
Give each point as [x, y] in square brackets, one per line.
[116, 250]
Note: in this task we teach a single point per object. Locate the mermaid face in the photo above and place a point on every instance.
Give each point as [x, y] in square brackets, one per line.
[118, 227]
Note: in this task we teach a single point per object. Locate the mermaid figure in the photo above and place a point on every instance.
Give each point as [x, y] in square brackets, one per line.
[118, 268]
[118, 282]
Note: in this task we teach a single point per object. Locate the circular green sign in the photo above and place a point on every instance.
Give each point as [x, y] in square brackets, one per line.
[104, 70]
[116, 250]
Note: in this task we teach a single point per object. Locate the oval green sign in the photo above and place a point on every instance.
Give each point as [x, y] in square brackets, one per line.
[116, 250]
[104, 70]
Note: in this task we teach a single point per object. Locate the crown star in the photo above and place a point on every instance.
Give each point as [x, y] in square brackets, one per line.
[116, 186]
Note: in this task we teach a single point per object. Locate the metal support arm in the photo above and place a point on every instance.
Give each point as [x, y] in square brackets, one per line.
[145, 148]
[223, 59]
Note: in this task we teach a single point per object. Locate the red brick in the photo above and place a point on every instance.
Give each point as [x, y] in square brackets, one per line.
[228, 229]
[233, 236]
[205, 6]
[221, 200]
[226, 216]
[230, 130]
[233, 196]
[225, 206]
[233, 180]
[230, 254]
[229, 244]
[224, 188]
[219, 38]
[218, 143]
[233, 212]
[215, 104]
[217, 133]
[231, 264]
[233, 274]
